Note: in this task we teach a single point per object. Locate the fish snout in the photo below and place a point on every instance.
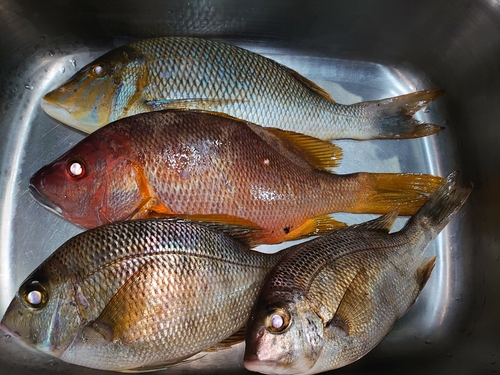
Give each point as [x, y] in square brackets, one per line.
[36, 183]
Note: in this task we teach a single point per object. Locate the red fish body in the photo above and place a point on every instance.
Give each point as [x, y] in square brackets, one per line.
[198, 164]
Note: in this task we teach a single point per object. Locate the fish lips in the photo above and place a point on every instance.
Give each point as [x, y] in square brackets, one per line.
[42, 200]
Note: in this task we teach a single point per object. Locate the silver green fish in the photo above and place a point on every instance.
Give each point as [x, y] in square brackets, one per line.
[193, 73]
[139, 295]
[333, 299]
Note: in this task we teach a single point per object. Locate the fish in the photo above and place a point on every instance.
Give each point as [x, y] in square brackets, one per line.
[201, 166]
[140, 295]
[201, 74]
[328, 302]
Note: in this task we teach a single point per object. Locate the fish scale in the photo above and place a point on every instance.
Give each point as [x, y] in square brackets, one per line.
[141, 294]
[200, 74]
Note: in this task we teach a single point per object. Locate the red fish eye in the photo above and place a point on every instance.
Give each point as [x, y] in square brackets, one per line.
[76, 168]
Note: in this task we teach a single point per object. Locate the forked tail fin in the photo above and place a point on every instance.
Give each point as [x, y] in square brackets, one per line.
[396, 115]
[380, 193]
[442, 205]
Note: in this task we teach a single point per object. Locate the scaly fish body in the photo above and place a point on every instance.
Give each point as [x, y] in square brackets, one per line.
[192, 164]
[192, 73]
[138, 294]
[331, 300]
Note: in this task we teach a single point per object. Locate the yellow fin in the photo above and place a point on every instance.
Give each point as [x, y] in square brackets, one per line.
[384, 192]
[356, 308]
[320, 154]
[315, 226]
[311, 85]
[235, 338]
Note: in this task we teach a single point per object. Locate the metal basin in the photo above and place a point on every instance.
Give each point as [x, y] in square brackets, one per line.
[357, 51]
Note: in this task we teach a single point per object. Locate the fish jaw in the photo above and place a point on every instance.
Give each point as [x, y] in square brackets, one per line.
[63, 115]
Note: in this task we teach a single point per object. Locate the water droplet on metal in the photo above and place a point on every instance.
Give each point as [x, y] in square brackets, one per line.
[426, 110]
[28, 87]
[51, 53]
[73, 62]
[428, 342]
[42, 38]
[62, 69]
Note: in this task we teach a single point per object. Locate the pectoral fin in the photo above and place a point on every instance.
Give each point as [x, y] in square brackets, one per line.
[383, 223]
[204, 104]
[127, 307]
[356, 308]
[235, 338]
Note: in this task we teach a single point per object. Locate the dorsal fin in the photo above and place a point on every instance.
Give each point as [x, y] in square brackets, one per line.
[383, 223]
[310, 85]
[322, 155]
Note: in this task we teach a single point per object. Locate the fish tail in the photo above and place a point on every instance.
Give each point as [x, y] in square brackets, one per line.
[396, 115]
[380, 193]
[442, 205]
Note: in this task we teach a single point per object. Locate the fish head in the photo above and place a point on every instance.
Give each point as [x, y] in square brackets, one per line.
[284, 336]
[101, 92]
[90, 185]
[44, 313]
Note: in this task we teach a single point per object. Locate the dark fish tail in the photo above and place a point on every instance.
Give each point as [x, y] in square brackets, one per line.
[441, 206]
[395, 115]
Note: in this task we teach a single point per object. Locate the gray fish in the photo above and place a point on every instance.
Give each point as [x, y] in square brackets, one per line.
[193, 73]
[333, 299]
[139, 295]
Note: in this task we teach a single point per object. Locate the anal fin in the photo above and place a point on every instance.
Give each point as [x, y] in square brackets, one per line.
[424, 271]
[315, 226]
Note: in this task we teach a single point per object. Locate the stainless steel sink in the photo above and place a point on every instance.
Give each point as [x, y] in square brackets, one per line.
[357, 51]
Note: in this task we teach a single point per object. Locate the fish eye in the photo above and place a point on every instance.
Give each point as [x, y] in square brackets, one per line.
[76, 168]
[278, 320]
[99, 70]
[34, 294]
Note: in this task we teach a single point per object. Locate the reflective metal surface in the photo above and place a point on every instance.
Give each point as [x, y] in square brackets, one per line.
[357, 51]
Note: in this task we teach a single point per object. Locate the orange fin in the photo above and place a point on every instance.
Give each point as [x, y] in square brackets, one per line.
[315, 226]
[310, 85]
[385, 192]
[355, 310]
[320, 154]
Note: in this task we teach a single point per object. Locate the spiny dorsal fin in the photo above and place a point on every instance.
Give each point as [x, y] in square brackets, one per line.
[320, 154]
[356, 307]
[383, 223]
[310, 85]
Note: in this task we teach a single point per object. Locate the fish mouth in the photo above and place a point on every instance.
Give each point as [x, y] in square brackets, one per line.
[264, 367]
[44, 202]
[63, 115]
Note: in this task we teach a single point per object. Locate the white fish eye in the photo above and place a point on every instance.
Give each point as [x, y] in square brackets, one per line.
[278, 320]
[76, 168]
[98, 70]
[34, 297]
[34, 294]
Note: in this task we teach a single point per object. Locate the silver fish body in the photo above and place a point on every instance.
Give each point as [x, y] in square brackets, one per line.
[139, 295]
[333, 299]
[193, 73]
